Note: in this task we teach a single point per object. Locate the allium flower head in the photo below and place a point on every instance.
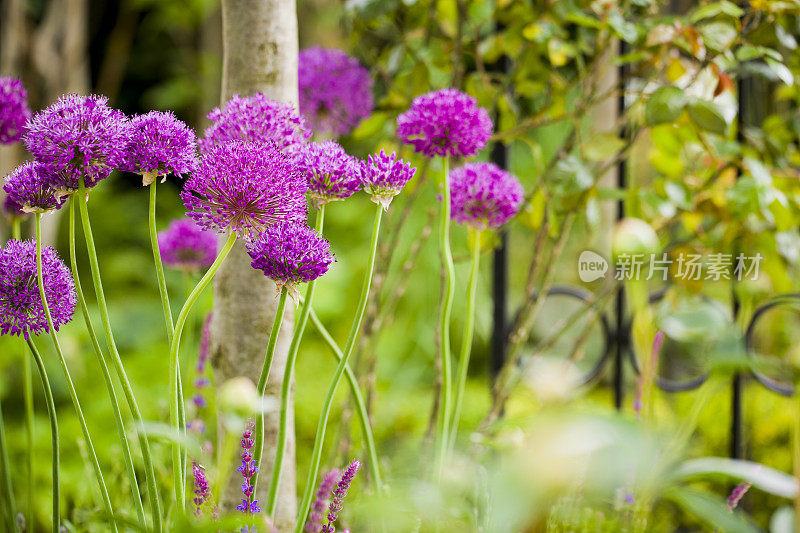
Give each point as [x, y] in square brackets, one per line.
[186, 246]
[331, 173]
[14, 112]
[483, 195]
[21, 307]
[26, 187]
[244, 186]
[255, 119]
[12, 210]
[290, 254]
[445, 123]
[384, 176]
[160, 144]
[77, 137]
[335, 90]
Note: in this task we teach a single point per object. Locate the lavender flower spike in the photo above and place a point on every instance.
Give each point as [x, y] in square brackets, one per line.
[483, 195]
[331, 173]
[255, 119]
[14, 112]
[21, 307]
[78, 137]
[445, 123]
[290, 254]
[26, 187]
[339, 493]
[384, 176]
[160, 144]
[202, 489]
[244, 187]
[186, 246]
[326, 486]
[248, 469]
[335, 90]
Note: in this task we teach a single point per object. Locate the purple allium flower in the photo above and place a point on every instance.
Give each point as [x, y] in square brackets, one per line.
[244, 186]
[737, 494]
[26, 187]
[326, 486]
[339, 493]
[186, 246]
[384, 176]
[445, 123]
[12, 210]
[160, 144]
[248, 469]
[202, 489]
[14, 112]
[335, 90]
[331, 173]
[21, 307]
[255, 119]
[78, 137]
[483, 195]
[290, 254]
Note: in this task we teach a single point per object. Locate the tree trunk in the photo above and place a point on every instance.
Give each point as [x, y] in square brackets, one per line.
[259, 55]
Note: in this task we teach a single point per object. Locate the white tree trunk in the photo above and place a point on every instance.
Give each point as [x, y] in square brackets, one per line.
[259, 55]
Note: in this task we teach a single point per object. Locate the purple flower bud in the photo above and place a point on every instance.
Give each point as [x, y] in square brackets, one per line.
[483, 195]
[14, 112]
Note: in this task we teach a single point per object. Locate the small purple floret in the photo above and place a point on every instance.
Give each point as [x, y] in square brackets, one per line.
[186, 246]
[335, 90]
[445, 123]
[331, 173]
[26, 187]
[78, 137]
[160, 144]
[21, 309]
[483, 195]
[384, 176]
[14, 111]
[290, 254]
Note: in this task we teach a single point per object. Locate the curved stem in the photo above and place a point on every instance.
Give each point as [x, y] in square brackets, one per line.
[319, 440]
[286, 385]
[70, 386]
[264, 377]
[174, 363]
[444, 324]
[51, 413]
[361, 406]
[112, 394]
[469, 327]
[7, 485]
[127, 389]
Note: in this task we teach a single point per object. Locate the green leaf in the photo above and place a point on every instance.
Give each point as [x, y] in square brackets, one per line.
[711, 509]
[664, 105]
[719, 8]
[694, 321]
[760, 476]
[781, 70]
[602, 146]
[708, 116]
[624, 29]
[718, 35]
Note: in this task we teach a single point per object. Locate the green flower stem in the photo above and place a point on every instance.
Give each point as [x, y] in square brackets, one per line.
[127, 389]
[70, 386]
[264, 377]
[444, 325]
[286, 385]
[112, 394]
[8, 490]
[319, 440]
[469, 327]
[174, 362]
[361, 406]
[51, 413]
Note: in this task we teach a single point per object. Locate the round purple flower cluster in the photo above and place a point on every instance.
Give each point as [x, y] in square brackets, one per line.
[12, 210]
[445, 123]
[335, 90]
[331, 173]
[255, 119]
[78, 137]
[160, 144]
[290, 254]
[186, 246]
[384, 176]
[14, 112]
[26, 187]
[21, 309]
[244, 186]
[483, 195]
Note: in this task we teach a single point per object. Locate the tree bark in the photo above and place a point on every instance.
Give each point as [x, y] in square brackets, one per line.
[259, 55]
